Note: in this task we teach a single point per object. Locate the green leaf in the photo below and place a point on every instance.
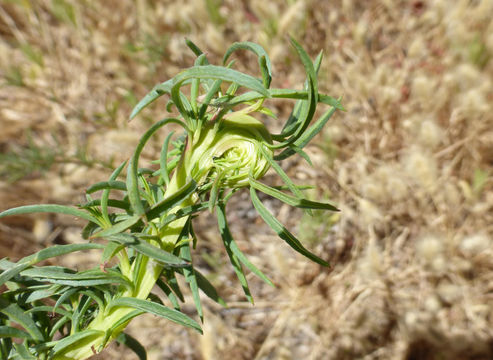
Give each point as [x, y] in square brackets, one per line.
[163, 159]
[306, 109]
[132, 170]
[107, 185]
[263, 58]
[65, 296]
[106, 193]
[119, 204]
[194, 89]
[170, 202]
[214, 72]
[216, 86]
[173, 283]
[185, 211]
[231, 246]
[23, 352]
[196, 50]
[171, 296]
[284, 177]
[78, 315]
[118, 227]
[119, 324]
[94, 296]
[44, 254]
[83, 337]
[49, 309]
[50, 208]
[157, 91]
[60, 275]
[290, 200]
[235, 262]
[111, 249]
[43, 293]
[285, 94]
[15, 313]
[308, 135]
[132, 344]
[281, 231]
[12, 332]
[189, 274]
[148, 250]
[156, 309]
[57, 326]
[208, 289]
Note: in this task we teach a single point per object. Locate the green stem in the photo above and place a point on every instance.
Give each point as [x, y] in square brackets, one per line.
[148, 273]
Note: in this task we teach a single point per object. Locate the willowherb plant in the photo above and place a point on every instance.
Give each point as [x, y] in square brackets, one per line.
[54, 312]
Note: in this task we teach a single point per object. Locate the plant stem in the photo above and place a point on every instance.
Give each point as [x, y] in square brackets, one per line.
[148, 272]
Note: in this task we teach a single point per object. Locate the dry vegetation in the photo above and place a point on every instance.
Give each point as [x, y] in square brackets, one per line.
[410, 164]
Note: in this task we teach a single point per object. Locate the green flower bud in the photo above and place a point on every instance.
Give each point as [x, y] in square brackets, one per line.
[229, 151]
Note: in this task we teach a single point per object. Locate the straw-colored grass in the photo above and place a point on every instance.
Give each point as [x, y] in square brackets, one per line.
[410, 164]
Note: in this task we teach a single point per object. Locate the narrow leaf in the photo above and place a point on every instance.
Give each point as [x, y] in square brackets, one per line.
[106, 193]
[290, 200]
[50, 208]
[15, 313]
[284, 177]
[185, 211]
[308, 135]
[263, 58]
[215, 72]
[157, 91]
[107, 185]
[208, 289]
[281, 231]
[190, 278]
[110, 250]
[132, 170]
[196, 50]
[235, 262]
[67, 342]
[156, 309]
[12, 332]
[170, 202]
[147, 249]
[120, 323]
[133, 344]
[23, 352]
[163, 159]
[118, 227]
[231, 245]
[173, 283]
[169, 293]
[44, 254]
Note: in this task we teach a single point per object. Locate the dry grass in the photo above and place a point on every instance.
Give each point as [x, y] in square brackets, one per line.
[410, 164]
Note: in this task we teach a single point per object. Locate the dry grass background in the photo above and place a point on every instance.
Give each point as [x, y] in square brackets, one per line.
[410, 164]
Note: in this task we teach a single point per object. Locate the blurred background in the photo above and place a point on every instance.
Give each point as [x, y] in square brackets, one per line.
[410, 164]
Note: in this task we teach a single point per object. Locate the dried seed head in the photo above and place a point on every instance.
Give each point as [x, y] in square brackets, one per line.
[430, 134]
[475, 244]
[417, 48]
[384, 185]
[467, 76]
[474, 102]
[423, 88]
[448, 292]
[432, 304]
[421, 167]
[429, 248]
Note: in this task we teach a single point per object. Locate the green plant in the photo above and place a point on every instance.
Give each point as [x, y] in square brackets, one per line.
[59, 313]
